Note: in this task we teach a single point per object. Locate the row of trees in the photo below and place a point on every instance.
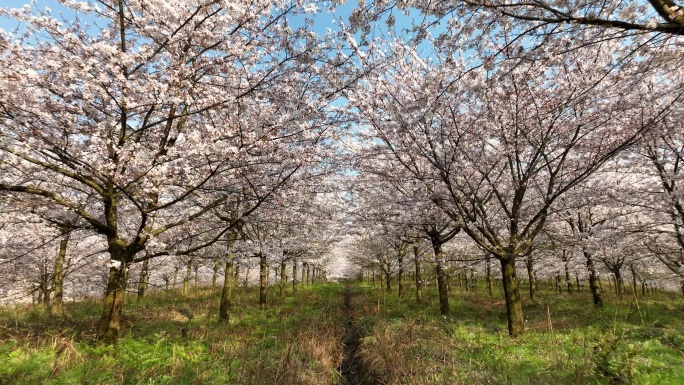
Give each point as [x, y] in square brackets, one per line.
[526, 128]
[164, 128]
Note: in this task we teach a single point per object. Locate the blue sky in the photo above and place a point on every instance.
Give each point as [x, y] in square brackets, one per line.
[323, 21]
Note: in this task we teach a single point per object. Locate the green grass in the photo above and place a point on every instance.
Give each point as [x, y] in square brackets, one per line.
[169, 338]
[623, 343]
[172, 339]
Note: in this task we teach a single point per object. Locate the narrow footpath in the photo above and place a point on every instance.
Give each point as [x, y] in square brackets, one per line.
[351, 369]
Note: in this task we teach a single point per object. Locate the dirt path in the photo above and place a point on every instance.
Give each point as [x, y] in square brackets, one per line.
[351, 369]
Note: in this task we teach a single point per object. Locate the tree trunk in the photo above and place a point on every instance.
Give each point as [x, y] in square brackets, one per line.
[516, 322]
[308, 274]
[382, 279]
[44, 285]
[568, 283]
[263, 280]
[418, 276]
[488, 271]
[466, 282]
[473, 280]
[400, 277]
[303, 277]
[594, 282]
[441, 279]
[58, 275]
[294, 275]
[110, 321]
[388, 282]
[283, 278]
[634, 278]
[186, 279]
[214, 277]
[142, 281]
[227, 292]
[619, 282]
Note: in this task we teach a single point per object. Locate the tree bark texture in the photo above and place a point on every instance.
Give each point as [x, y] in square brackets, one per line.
[516, 322]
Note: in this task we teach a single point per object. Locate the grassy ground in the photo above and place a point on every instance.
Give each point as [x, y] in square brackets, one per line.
[567, 341]
[169, 338]
[173, 339]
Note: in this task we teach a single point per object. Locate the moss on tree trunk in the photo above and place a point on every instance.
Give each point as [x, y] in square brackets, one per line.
[110, 322]
[516, 322]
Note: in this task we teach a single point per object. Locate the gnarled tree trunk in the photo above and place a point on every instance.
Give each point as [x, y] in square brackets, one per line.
[110, 322]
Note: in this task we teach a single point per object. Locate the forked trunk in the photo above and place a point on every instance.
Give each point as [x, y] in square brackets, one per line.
[110, 321]
[516, 322]
[58, 275]
[619, 282]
